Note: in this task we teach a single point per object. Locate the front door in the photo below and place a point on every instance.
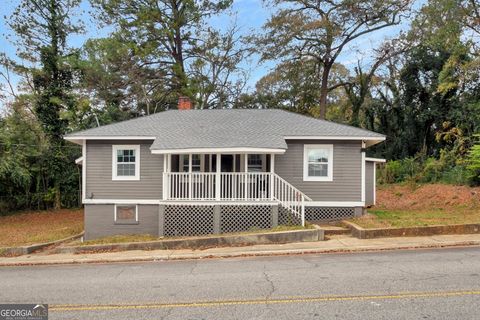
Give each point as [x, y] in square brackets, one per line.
[227, 163]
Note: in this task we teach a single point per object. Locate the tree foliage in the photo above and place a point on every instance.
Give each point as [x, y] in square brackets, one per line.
[421, 88]
[321, 30]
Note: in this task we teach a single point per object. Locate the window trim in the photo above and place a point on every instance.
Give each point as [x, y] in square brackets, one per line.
[189, 157]
[308, 147]
[115, 148]
[125, 205]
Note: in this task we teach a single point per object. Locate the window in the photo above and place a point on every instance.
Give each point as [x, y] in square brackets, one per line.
[318, 162]
[196, 163]
[126, 162]
[126, 214]
[255, 163]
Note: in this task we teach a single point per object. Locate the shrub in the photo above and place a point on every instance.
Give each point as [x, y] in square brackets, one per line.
[474, 164]
[431, 170]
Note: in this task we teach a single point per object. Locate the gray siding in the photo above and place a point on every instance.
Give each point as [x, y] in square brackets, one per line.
[99, 173]
[347, 160]
[99, 221]
[369, 183]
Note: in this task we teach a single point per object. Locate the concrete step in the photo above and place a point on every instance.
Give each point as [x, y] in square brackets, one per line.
[332, 229]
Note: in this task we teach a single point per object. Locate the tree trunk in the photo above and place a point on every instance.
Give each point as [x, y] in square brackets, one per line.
[58, 202]
[324, 89]
[355, 115]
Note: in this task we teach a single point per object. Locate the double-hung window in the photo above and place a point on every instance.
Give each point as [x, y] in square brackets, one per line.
[318, 162]
[196, 162]
[126, 162]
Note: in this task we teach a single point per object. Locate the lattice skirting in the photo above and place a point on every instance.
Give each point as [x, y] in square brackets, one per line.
[328, 214]
[244, 218]
[197, 220]
[189, 220]
[287, 218]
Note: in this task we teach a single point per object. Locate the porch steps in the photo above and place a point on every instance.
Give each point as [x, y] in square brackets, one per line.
[331, 229]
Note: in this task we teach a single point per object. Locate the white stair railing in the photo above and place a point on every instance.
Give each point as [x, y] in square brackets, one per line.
[289, 197]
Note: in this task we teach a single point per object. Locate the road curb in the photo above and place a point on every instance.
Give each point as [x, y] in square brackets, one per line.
[260, 253]
[239, 240]
[362, 233]
[23, 250]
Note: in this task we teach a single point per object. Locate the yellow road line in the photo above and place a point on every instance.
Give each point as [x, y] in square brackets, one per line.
[219, 303]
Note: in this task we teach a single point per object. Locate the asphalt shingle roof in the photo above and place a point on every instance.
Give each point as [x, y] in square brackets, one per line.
[232, 128]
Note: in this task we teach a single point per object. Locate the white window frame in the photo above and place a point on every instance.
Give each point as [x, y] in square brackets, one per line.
[125, 205]
[308, 147]
[189, 157]
[117, 147]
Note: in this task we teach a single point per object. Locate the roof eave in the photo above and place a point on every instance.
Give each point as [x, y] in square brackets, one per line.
[80, 139]
[236, 150]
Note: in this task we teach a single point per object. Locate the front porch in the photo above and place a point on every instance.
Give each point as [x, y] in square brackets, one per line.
[229, 179]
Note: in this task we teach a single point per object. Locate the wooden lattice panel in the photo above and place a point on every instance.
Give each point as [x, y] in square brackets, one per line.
[243, 218]
[287, 218]
[188, 220]
[327, 214]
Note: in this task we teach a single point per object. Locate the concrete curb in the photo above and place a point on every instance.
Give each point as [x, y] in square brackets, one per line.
[362, 233]
[259, 253]
[309, 235]
[22, 250]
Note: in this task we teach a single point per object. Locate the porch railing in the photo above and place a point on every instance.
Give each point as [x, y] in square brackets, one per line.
[234, 186]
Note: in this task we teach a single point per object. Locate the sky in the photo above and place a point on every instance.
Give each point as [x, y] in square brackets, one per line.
[250, 16]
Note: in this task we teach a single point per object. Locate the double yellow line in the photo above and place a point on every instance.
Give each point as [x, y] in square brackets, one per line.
[220, 303]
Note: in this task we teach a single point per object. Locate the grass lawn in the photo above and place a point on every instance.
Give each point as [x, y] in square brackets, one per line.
[423, 205]
[417, 218]
[39, 226]
[146, 237]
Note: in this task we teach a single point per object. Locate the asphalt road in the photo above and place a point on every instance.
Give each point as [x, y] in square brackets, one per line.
[423, 284]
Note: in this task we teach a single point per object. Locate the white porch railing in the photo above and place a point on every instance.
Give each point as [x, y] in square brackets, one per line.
[234, 186]
[289, 197]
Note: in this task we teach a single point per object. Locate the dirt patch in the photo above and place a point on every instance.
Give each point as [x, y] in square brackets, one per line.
[403, 206]
[39, 226]
[426, 197]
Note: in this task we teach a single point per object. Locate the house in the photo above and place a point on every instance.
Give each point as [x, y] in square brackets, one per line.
[195, 172]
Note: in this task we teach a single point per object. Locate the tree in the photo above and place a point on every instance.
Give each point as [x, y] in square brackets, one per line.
[293, 85]
[217, 77]
[42, 27]
[165, 33]
[357, 87]
[321, 30]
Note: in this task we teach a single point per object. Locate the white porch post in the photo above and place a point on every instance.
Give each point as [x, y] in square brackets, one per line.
[272, 170]
[217, 177]
[190, 176]
[169, 170]
[245, 163]
[165, 177]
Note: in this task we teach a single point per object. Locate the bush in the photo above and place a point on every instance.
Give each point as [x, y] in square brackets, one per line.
[474, 164]
[398, 171]
[431, 170]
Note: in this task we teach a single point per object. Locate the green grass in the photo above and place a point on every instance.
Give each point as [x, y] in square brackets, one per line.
[418, 218]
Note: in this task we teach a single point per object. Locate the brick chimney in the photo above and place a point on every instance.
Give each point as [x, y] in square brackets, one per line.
[184, 103]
